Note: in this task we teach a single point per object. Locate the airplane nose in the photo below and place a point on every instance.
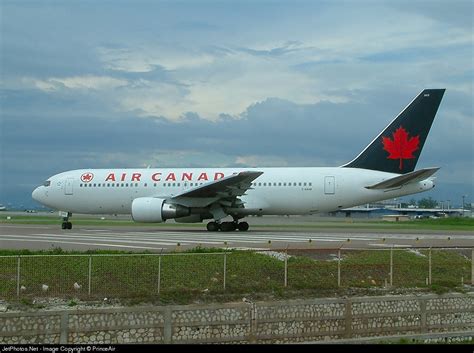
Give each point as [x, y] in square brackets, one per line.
[37, 194]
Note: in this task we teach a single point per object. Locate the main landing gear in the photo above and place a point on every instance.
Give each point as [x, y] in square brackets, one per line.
[66, 224]
[227, 226]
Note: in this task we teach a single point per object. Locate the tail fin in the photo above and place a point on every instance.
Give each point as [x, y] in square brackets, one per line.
[397, 148]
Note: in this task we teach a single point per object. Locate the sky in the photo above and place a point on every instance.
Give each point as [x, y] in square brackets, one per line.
[103, 84]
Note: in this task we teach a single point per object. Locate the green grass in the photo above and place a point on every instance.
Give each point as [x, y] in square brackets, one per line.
[198, 275]
[418, 341]
[56, 220]
[455, 223]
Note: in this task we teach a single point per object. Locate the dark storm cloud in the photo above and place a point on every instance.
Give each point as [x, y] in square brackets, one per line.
[328, 132]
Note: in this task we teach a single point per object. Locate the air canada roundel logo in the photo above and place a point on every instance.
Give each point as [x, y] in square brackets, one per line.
[87, 177]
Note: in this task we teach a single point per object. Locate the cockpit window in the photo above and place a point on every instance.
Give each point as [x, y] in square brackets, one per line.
[47, 183]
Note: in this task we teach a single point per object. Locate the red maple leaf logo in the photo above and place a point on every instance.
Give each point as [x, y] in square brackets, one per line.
[86, 177]
[401, 147]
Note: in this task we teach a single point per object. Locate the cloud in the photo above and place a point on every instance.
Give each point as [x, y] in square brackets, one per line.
[76, 83]
[210, 81]
[260, 161]
[197, 64]
[145, 59]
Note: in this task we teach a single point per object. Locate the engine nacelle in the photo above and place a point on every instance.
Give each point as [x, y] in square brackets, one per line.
[155, 210]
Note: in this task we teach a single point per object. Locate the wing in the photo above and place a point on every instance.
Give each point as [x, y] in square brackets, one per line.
[407, 178]
[225, 190]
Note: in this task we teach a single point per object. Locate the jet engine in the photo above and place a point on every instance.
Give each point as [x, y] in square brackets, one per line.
[155, 210]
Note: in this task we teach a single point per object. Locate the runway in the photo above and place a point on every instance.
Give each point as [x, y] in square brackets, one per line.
[37, 237]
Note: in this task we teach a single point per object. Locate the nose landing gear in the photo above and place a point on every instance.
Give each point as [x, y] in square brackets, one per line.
[66, 224]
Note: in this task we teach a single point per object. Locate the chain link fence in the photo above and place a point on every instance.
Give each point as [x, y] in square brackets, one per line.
[145, 275]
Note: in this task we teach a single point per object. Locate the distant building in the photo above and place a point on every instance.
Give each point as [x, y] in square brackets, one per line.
[381, 211]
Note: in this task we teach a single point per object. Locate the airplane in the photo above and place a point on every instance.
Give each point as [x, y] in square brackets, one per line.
[385, 169]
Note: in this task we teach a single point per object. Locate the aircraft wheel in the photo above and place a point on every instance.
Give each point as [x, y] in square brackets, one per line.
[243, 226]
[228, 226]
[212, 226]
[66, 225]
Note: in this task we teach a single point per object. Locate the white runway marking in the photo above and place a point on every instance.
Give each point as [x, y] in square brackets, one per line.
[89, 244]
[388, 246]
[27, 227]
[157, 239]
[59, 238]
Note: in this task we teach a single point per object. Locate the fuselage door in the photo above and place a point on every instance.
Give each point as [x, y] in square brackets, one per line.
[329, 185]
[68, 188]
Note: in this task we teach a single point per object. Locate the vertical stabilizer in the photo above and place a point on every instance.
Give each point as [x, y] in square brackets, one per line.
[397, 148]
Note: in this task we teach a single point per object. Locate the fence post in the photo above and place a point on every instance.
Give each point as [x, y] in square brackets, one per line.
[429, 266]
[339, 268]
[225, 267]
[423, 326]
[391, 266]
[90, 275]
[286, 267]
[18, 276]
[472, 267]
[159, 272]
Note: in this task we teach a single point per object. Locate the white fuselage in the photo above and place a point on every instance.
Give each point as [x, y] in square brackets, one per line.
[278, 191]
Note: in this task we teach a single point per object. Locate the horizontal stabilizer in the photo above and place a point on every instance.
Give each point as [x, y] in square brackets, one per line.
[401, 180]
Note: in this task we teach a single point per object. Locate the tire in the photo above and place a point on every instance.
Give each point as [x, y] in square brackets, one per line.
[228, 226]
[212, 227]
[243, 226]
